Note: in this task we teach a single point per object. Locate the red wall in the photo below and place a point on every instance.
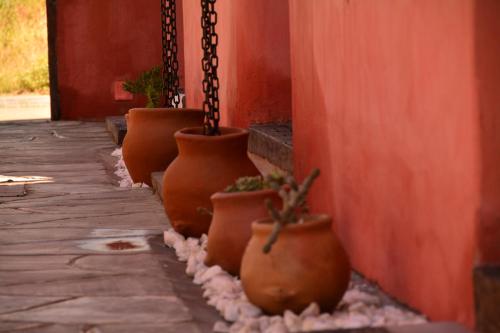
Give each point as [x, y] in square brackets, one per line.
[385, 102]
[99, 42]
[254, 58]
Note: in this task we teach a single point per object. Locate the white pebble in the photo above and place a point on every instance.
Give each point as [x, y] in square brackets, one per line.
[292, 322]
[170, 237]
[203, 241]
[278, 327]
[121, 170]
[248, 310]
[181, 250]
[264, 322]
[221, 283]
[225, 293]
[355, 295]
[231, 313]
[221, 327]
[221, 305]
[208, 274]
[195, 263]
[317, 324]
[311, 310]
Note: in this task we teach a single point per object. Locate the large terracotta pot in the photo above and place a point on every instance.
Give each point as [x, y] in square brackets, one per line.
[306, 264]
[231, 229]
[149, 144]
[205, 165]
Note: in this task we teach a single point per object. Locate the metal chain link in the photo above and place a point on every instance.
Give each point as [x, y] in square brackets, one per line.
[170, 63]
[210, 63]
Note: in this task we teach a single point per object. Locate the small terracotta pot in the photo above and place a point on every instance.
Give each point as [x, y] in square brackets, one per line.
[205, 165]
[149, 144]
[306, 264]
[231, 229]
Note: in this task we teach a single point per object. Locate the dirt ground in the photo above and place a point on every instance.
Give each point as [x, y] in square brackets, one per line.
[24, 107]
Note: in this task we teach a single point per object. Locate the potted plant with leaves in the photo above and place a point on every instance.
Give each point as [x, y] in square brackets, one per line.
[210, 157]
[150, 84]
[149, 144]
[234, 210]
[293, 257]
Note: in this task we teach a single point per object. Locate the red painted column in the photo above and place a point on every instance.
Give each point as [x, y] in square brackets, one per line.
[254, 60]
[385, 102]
[487, 54]
[99, 43]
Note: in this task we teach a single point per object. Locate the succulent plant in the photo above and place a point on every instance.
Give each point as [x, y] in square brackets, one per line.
[150, 84]
[294, 204]
[257, 183]
[246, 184]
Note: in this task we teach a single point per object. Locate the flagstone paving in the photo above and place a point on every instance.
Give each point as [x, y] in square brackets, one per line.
[78, 253]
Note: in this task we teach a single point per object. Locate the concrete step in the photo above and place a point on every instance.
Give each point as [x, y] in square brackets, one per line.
[117, 126]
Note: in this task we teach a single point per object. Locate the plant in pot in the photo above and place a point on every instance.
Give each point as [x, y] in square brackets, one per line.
[210, 157]
[294, 258]
[150, 84]
[149, 144]
[235, 209]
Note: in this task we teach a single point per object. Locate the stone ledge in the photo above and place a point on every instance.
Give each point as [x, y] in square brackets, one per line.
[117, 126]
[157, 181]
[444, 327]
[273, 142]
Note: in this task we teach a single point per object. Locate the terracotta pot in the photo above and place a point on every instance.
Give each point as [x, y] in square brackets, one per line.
[306, 264]
[231, 229]
[205, 165]
[149, 144]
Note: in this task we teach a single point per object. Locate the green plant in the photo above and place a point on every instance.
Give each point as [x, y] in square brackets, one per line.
[249, 184]
[150, 84]
[257, 183]
[294, 204]
[36, 78]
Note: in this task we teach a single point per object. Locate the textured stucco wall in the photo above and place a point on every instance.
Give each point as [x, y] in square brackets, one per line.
[254, 60]
[385, 102]
[99, 42]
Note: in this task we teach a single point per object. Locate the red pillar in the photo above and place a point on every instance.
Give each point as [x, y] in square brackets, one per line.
[487, 54]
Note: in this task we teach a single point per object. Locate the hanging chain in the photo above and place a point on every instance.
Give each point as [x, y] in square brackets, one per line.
[170, 63]
[210, 63]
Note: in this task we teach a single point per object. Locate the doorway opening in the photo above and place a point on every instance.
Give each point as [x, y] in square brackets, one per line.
[24, 69]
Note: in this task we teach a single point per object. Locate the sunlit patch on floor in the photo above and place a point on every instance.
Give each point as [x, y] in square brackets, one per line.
[16, 180]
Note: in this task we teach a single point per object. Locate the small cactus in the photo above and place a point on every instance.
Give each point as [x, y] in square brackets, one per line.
[248, 184]
[294, 203]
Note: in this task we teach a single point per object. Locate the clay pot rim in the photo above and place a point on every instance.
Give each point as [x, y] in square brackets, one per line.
[196, 134]
[314, 221]
[229, 195]
[147, 111]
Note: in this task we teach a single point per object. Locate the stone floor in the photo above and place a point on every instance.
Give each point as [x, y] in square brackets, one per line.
[78, 253]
